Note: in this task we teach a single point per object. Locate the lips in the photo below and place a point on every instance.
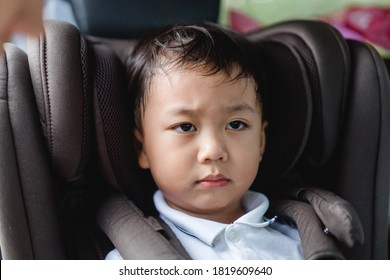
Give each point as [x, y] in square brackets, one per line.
[213, 181]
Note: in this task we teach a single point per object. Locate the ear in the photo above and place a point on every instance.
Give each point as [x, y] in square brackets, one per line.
[139, 146]
[263, 139]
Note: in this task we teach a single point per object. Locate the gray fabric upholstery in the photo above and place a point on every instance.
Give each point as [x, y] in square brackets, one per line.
[337, 215]
[29, 227]
[362, 163]
[348, 148]
[135, 236]
[315, 244]
[326, 60]
[62, 96]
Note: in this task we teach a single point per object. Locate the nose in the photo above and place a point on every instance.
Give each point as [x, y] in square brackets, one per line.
[212, 148]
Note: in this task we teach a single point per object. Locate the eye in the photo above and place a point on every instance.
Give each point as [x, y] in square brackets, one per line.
[184, 127]
[236, 125]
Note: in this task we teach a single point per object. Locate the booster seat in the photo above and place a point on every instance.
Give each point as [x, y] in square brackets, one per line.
[68, 159]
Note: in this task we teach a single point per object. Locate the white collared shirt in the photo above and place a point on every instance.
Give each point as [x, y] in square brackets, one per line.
[252, 236]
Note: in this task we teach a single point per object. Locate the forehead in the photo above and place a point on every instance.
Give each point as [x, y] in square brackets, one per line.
[200, 89]
[194, 72]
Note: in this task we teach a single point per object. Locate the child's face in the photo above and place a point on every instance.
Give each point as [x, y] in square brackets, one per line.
[203, 139]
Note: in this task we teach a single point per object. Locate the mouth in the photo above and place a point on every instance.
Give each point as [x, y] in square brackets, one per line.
[213, 181]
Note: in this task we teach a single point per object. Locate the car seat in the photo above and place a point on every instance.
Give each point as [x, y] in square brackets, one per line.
[349, 114]
[70, 185]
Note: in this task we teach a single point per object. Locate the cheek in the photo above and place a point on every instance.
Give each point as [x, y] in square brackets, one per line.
[170, 164]
[248, 170]
[248, 158]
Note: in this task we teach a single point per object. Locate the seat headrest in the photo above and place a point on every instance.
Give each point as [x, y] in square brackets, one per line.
[304, 57]
[81, 92]
[288, 103]
[59, 69]
[113, 131]
[129, 19]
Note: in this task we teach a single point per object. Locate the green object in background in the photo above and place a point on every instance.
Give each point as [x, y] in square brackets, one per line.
[270, 11]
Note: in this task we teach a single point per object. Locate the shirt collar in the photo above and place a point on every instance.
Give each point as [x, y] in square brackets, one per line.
[254, 203]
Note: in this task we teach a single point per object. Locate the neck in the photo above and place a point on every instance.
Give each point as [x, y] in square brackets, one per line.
[225, 216]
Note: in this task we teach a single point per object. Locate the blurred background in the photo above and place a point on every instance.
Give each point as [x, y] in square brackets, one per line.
[366, 20]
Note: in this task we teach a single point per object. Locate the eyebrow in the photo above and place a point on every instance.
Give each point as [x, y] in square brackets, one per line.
[244, 107]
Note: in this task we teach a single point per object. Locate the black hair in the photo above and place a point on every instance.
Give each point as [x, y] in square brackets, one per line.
[206, 47]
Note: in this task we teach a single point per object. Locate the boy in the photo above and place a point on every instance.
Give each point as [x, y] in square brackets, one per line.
[200, 127]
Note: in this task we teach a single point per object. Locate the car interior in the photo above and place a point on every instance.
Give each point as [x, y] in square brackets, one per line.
[70, 185]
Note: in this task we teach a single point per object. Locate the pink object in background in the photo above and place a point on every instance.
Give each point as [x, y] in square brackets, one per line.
[361, 23]
[348, 33]
[373, 23]
[242, 23]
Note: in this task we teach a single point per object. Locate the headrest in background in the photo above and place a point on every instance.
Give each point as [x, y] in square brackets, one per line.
[59, 69]
[81, 92]
[112, 114]
[319, 55]
[288, 109]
